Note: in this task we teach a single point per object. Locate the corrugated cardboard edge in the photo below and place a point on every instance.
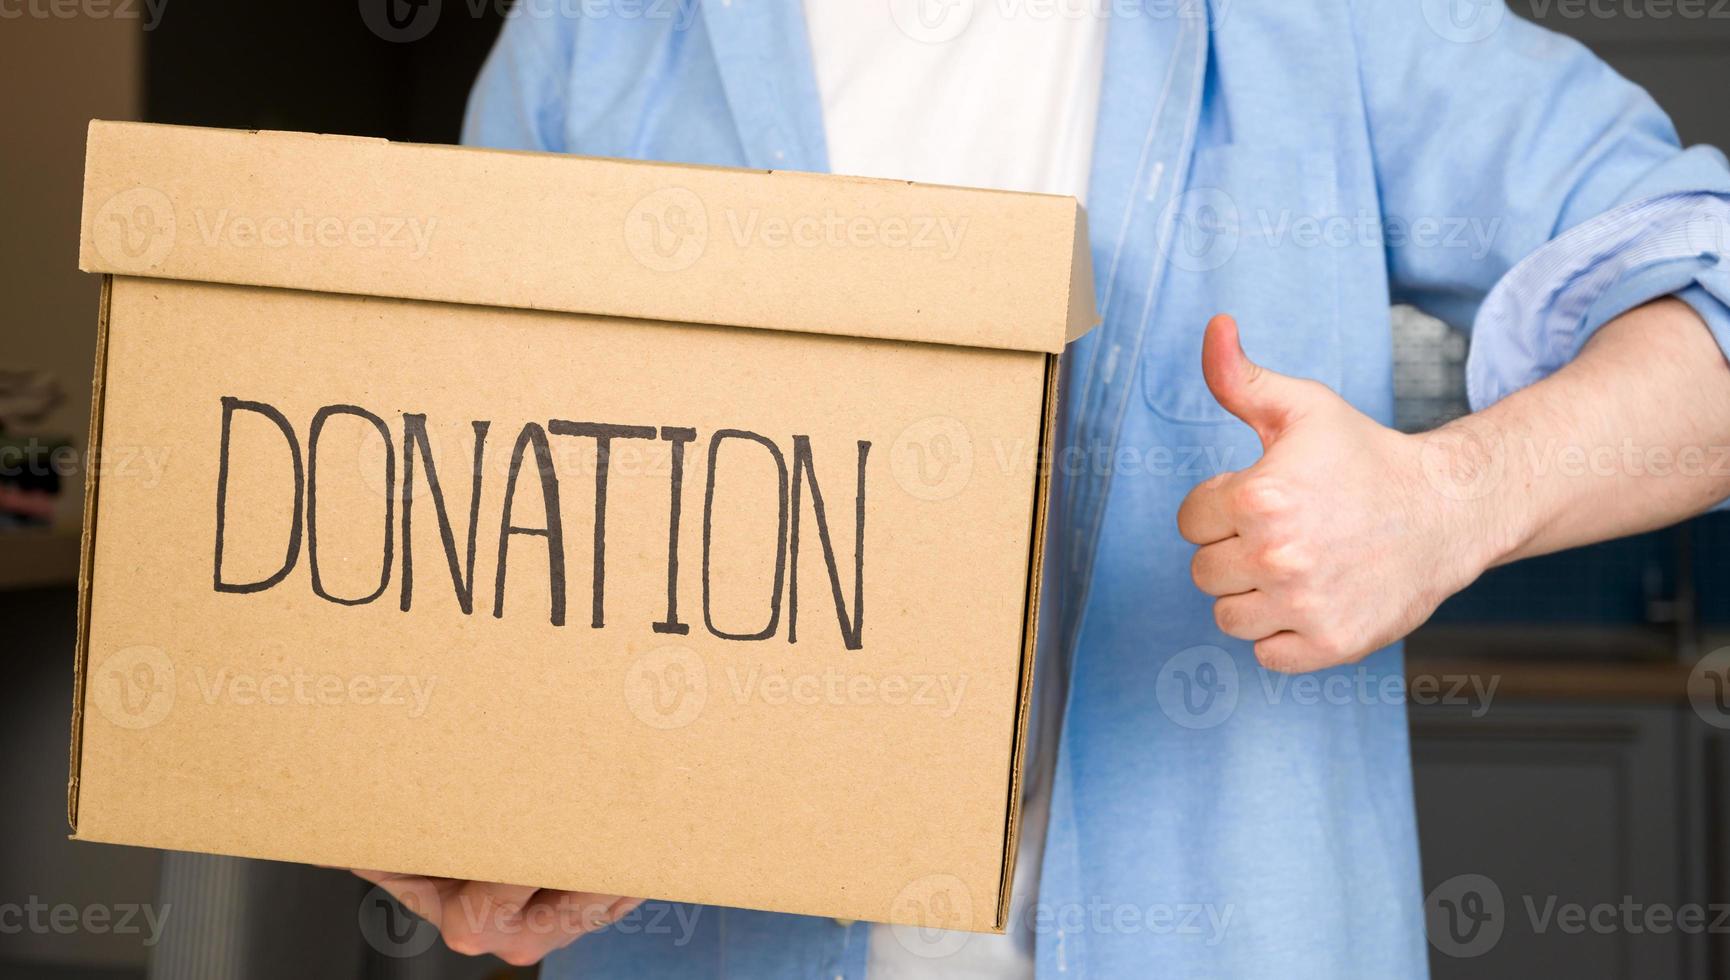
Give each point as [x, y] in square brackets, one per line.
[1083, 304]
[1030, 640]
[509, 239]
[87, 550]
[1083, 316]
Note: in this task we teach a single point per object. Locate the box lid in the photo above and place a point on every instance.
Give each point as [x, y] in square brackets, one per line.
[776, 250]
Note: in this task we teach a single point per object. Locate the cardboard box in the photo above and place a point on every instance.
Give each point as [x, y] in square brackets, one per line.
[651, 530]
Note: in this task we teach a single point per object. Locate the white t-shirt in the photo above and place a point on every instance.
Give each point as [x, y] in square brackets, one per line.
[984, 93]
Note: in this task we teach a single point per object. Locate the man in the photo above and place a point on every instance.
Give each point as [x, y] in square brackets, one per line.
[1220, 515]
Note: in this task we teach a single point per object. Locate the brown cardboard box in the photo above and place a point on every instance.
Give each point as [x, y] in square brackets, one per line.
[763, 455]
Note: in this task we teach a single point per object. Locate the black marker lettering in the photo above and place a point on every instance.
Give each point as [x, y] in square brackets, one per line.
[534, 435]
[463, 579]
[230, 405]
[677, 437]
[850, 630]
[780, 540]
[603, 436]
[318, 420]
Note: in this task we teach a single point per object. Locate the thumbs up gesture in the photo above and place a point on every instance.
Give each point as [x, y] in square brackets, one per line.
[1333, 544]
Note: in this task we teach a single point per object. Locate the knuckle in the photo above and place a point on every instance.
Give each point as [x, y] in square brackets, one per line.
[521, 957]
[1333, 644]
[1224, 617]
[1233, 620]
[1186, 528]
[1287, 560]
[466, 943]
[1260, 497]
[1200, 567]
[1187, 517]
[1269, 656]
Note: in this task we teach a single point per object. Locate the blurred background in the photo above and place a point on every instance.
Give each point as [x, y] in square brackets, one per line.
[1585, 775]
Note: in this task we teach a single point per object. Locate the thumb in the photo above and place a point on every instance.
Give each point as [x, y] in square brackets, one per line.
[1267, 400]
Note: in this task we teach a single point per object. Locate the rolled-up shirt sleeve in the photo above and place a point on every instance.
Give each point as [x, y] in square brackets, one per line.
[1539, 315]
[1595, 205]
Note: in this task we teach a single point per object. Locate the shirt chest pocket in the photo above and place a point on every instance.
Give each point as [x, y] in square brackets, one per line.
[1257, 234]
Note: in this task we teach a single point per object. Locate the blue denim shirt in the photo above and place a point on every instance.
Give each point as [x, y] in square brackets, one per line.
[1300, 165]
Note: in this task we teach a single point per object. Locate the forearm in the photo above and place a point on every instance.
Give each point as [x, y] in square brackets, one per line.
[1634, 434]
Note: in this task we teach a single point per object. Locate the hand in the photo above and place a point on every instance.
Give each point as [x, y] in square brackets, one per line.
[519, 925]
[1336, 542]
